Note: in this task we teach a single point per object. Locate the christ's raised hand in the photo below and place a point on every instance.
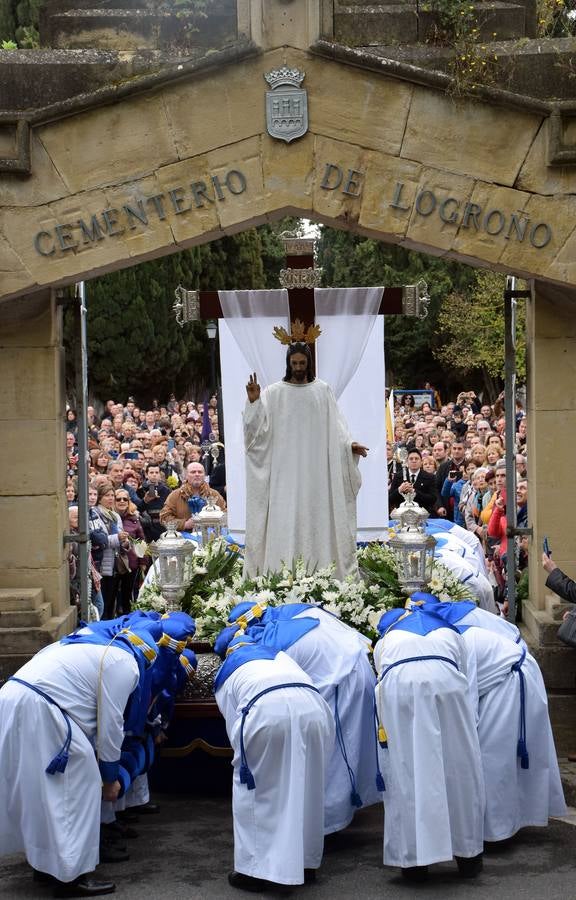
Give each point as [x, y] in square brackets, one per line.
[253, 388]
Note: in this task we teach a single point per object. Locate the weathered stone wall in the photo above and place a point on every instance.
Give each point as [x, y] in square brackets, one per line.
[431, 174]
[33, 508]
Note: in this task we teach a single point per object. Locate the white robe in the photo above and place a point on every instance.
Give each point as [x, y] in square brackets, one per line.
[335, 655]
[301, 480]
[278, 826]
[55, 819]
[434, 797]
[470, 575]
[515, 797]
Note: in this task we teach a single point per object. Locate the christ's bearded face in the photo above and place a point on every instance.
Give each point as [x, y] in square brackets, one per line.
[298, 367]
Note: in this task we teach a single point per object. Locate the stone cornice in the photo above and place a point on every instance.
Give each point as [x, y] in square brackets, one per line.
[559, 153]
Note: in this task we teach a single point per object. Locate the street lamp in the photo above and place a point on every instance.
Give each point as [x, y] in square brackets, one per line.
[412, 547]
[211, 332]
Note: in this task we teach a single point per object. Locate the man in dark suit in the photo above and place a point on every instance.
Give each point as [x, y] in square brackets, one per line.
[414, 478]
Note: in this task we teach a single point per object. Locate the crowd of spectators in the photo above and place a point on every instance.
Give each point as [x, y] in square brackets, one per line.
[454, 461]
[145, 466]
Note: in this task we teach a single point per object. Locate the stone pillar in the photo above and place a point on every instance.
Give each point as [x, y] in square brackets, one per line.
[551, 401]
[33, 508]
[284, 23]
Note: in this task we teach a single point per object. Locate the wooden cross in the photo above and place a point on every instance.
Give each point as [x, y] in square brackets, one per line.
[396, 301]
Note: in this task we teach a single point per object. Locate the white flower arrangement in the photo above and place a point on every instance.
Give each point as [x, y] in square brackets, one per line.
[216, 586]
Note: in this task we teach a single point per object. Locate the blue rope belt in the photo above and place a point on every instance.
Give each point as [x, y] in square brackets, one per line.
[355, 798]
[60, 761]
[400, 662]
[246, 776]
[522, 749]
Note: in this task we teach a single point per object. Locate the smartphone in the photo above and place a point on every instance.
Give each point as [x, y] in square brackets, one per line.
[546, 547]
[130, 455]
[171, 443]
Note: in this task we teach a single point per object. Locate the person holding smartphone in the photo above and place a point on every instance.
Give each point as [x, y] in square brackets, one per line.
[153, 494]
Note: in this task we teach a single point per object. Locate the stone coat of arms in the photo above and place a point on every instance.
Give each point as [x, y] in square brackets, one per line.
[286, 104]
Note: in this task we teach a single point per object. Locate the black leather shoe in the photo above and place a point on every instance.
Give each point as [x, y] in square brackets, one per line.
[470, 867]
[255, 885]
[42, 877]
[83, 886]
[415, 873]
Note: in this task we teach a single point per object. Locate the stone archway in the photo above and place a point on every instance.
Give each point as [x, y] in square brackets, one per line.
[171, 160]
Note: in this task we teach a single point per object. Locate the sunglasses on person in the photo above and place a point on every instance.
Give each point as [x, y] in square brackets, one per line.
[122, 499]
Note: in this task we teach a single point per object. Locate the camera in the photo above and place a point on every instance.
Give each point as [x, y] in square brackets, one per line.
[454, 473]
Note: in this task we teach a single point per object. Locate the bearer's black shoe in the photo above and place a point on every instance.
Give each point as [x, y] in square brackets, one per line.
[470, 867]
[255, 885]
[83, 886]
[42, 877]
[415, 873]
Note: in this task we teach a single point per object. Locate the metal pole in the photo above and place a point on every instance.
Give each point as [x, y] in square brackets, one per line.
[510, 414]
[216, 387]
[82, 420]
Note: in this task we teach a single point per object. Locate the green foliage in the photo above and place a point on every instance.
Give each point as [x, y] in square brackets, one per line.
[134, 343]
[556, 18]
[19, 23]
[456, 19]
[471, 323]
[7, 22]
[349, 260]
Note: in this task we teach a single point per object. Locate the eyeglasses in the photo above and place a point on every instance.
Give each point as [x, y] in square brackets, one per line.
[121, 499]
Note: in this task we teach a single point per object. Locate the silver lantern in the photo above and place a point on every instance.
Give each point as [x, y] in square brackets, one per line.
[172, 550]
[210, 521]
[412, 547]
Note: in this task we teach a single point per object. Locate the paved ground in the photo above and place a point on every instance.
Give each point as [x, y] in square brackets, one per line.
[185, 852]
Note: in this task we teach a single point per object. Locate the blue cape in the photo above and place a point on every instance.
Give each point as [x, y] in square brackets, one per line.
[415, 620]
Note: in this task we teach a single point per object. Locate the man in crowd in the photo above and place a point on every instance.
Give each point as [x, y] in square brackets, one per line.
[153, 494]
[414, 478]
[177, 507]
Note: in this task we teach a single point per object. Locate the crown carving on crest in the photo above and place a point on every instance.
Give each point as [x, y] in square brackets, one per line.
[299, 334]
[285, 75]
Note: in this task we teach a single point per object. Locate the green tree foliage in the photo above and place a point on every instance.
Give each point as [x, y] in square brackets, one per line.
[135, 345]
[471, 326]
[349, 260]
[19, 22]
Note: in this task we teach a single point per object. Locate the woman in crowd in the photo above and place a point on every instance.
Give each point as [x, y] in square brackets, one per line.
[112, 540]
[493, 454]
[130, 525]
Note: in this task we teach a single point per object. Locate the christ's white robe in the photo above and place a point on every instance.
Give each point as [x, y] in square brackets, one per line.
[515, 797]
[288, 734]
[434, 797]
[55, 819]
[301, 480]
[336, 656]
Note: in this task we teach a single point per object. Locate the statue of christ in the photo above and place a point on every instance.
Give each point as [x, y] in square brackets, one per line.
[302, 474]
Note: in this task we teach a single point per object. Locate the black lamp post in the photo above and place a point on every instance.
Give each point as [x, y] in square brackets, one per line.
[212, 331]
